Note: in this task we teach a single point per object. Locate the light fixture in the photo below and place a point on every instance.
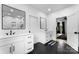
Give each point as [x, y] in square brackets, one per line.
[49, 9]
[9, 13]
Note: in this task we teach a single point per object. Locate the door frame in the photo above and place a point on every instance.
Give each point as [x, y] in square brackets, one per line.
[61, 19]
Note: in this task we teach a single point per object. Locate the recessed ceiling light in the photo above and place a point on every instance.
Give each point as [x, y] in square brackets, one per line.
[49, 9]
[9, 13]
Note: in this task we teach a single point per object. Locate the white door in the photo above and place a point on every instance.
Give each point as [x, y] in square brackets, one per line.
[5, 49]
[72, 27]
[34, 27]
[34, 23]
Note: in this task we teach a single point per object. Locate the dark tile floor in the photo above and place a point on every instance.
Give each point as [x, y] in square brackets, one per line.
[64, 37]
[59, 48]
[78, 49]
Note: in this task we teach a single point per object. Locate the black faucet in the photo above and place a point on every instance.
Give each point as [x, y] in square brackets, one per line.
[10, 32]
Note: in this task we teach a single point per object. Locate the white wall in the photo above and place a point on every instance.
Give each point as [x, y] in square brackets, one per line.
[52, 23]
[29, 11]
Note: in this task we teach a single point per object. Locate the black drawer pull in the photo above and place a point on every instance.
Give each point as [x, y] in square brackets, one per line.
[29, 42]
[29, 48]
[11, 50]
[29, 37]
[76, 32]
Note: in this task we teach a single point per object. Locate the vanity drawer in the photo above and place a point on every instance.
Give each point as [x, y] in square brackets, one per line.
[30, 42]
[6, 41]
[30, 36]
[29, 49]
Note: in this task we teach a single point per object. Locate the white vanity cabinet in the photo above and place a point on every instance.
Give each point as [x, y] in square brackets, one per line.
[17, 44]
[23, 44]
[29, 44]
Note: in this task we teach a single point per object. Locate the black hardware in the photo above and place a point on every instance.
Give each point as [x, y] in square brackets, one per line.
[29, 31]
[10, 49]
[29, 48]
[10, 32]
[6, 33]
[13, 48]
[13, 33]
[29, 36]
[76, 32]
[29, 42]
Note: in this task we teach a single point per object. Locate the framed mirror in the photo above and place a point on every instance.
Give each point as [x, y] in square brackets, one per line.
[12, 18]
[43, 23]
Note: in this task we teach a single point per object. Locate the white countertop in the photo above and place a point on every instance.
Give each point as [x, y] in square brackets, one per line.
[8, 36]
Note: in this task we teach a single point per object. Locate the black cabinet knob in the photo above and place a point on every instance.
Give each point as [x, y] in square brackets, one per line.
[75, 32]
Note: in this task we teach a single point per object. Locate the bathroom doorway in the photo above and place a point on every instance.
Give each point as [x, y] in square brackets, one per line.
[61, 28]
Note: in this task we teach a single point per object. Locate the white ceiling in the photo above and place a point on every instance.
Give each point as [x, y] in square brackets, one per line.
[54, 7]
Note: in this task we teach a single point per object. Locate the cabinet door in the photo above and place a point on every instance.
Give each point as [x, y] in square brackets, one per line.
[5, 49]
[19, 47]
